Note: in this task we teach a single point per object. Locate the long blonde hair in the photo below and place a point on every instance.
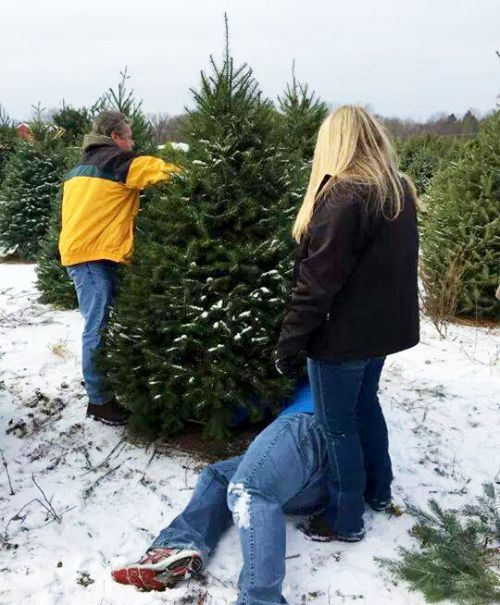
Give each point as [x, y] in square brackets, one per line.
[352, 145]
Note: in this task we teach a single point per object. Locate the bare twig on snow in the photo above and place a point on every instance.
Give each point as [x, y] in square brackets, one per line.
[6, 466]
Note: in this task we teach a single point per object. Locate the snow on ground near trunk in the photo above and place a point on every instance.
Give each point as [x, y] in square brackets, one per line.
[112, 496]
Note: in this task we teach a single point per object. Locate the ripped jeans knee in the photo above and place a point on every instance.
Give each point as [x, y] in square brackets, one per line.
[238, 501]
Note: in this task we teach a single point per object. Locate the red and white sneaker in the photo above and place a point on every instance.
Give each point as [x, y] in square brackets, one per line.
[160, 568]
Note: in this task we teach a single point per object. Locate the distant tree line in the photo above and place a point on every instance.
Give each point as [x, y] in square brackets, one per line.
[442, 124]
[166, 127]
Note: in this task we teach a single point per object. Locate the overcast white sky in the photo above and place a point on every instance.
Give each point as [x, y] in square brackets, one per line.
[402, 57]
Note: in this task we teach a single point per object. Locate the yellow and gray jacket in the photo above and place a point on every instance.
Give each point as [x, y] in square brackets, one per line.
[101, 201]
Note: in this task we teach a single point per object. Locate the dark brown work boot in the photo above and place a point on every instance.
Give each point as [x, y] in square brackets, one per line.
[111, 413]
[317, 529]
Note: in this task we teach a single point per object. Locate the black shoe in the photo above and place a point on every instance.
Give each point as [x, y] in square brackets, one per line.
[318, 529]
[111, 413]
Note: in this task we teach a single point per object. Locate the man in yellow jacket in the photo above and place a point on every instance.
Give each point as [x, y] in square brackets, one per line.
[100, 203]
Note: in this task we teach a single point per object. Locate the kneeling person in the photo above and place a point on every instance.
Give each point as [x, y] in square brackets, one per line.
[282, 472]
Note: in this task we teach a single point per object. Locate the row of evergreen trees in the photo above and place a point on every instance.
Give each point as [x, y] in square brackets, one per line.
[461, 231]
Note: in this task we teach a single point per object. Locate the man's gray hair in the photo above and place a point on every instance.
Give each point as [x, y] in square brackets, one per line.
[108, 122]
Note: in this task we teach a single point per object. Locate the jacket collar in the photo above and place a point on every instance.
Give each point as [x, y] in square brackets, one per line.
[94, 140]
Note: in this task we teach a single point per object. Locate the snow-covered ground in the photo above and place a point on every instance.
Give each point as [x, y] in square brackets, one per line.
[109, 496]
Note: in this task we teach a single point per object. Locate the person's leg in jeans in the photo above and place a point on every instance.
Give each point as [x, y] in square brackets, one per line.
[185, 545]
[95, 288]
[278, 466]
[374, 437]
[207, 516]
[335, 388]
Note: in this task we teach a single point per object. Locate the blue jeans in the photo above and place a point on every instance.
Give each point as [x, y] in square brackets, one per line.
[95, 288]
[347, 406]
[282, 472]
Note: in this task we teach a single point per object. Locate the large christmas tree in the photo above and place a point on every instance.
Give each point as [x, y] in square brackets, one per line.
[193, 334]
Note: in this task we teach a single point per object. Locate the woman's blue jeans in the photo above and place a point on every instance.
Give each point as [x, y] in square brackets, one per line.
[347, 406]
[95, 284]
[283, 471]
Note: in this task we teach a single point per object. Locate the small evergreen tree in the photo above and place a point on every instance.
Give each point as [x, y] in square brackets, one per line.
[53, 282]
[31, 183]
[74, 122]
[196, 324]
[44, 132]
[462, 226]
[459, 555]
[301, 114]
[123, 99]
[8, 139]
[451, 125]
[470, 125]
[299, 117]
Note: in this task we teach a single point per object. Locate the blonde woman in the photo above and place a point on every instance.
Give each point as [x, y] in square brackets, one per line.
[354, 302]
